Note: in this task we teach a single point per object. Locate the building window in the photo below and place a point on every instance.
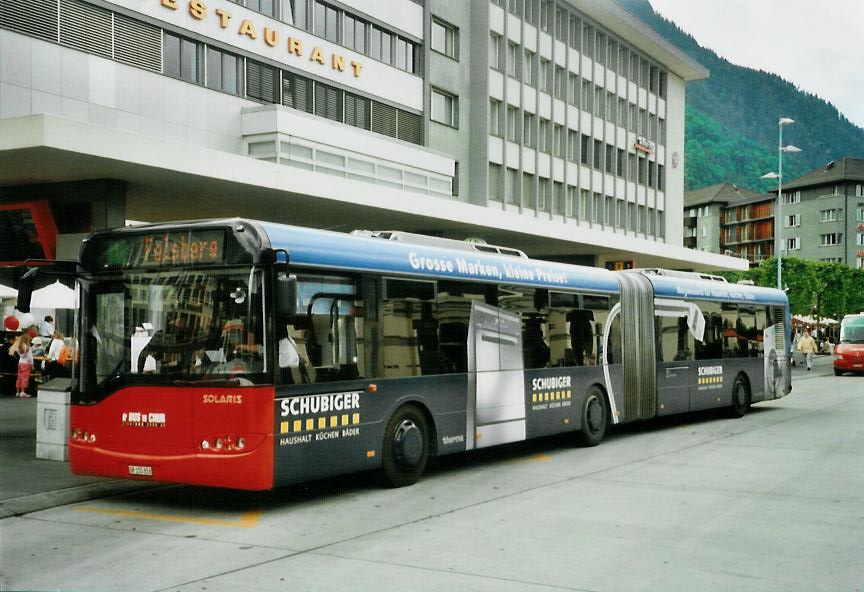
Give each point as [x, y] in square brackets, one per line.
[859, 215]
[572, 202]
[445, 38]
[661, 178]
[588, 41]
[181, 58]
[445, 108]
[262, 82]
[610, 159]
[573, 146]
[328, 102]
[326, 23]
[529, 191]
[511, 187]
[357, 111]
[355, 34]
[622, 158]
[545, 141]
[560, 141]
[575, 39]
[585, 150]
[831, 239]
[560, 83]
[559, 197]
[528, 123]
[546, 15]
[545, 75]
[514, 7]
[792, 198]
[573, 91]
[793, 244]
[859, 191]
[529, 69]
[224, 71]
[512, 60]
[495, 117]
[381, 45]
[496, 54]
[267, 7]
[297, 92]
[495, 185]
[512, 128]
[587, 96]
[531, 11]
[832, 215]
[598, 154]
[860, 239]
[543, 195]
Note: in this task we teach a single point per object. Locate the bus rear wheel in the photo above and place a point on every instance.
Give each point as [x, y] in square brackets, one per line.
[740, 397]
[594, 417]
[406, 446]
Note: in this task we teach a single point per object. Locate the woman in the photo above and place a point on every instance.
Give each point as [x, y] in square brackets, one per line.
[21, 347]
[54, 365]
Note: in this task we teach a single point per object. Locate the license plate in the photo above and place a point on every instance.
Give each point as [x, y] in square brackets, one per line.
[139, 470]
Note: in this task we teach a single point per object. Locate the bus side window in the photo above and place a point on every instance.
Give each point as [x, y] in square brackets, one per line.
[454, 314]
[410, 326]
[533, 309]
[711, 346]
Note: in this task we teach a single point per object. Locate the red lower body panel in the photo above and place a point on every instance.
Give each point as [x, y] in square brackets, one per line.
[219, 437]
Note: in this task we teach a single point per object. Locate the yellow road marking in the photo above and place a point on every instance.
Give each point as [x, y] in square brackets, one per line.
[247, 520]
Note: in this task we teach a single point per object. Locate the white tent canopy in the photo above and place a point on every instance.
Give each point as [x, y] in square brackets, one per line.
[7, 292]
[53, 296]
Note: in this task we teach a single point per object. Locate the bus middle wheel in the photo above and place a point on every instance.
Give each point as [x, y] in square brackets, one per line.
[594, 417]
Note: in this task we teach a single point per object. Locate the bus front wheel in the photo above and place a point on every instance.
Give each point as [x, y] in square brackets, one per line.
[406, 446]
[740, 397]
[595, 417]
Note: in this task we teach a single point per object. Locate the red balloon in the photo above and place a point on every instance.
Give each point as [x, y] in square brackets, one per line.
[10, 323]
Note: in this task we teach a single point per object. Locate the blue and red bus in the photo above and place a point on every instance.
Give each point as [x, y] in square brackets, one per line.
[249, 355]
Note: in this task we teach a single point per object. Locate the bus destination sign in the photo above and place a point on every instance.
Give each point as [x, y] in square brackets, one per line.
[165, 249]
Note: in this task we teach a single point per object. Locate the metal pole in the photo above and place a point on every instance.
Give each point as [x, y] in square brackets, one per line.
[780, 211]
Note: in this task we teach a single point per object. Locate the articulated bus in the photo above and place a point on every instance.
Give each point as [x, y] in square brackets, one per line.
[249, 355]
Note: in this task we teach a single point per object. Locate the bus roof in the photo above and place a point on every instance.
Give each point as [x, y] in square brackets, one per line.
[334, 250]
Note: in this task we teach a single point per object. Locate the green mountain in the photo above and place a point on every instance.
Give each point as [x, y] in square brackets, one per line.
[731, 118]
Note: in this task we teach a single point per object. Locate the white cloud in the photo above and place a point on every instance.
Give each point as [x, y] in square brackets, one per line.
[814, 45]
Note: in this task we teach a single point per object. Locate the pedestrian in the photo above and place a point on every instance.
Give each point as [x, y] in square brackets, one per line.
[21, 348]
[46, 327]
[55, 361]
[807, 346]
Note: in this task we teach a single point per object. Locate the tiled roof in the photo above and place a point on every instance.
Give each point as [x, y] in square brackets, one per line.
[721, 194]
[845, 169]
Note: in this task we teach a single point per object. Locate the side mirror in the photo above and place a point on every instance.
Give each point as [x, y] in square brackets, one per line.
[25, 289]
[286, 295]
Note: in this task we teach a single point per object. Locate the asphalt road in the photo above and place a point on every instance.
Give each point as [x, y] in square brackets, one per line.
[773, 501]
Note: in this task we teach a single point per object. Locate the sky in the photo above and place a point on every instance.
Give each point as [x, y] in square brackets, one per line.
[814, 44]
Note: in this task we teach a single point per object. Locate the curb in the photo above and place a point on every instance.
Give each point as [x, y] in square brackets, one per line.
[27, 504]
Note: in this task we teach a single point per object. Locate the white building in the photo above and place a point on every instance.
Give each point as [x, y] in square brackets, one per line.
[554, 126]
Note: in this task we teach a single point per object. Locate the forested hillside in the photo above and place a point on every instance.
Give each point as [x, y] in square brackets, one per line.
[731, 132]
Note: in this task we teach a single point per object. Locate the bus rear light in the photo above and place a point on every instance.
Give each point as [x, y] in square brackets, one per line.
[83, 437]
[229, 444]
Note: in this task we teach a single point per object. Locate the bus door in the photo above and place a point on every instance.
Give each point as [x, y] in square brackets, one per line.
[497, 389]
[679, 325]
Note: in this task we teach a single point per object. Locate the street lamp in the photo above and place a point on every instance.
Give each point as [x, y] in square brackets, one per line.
[779, 176]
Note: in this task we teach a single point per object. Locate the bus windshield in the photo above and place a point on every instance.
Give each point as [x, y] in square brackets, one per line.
[852, 330]
[170, 326]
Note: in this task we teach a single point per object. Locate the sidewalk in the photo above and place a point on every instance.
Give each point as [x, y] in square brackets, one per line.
[28, 484]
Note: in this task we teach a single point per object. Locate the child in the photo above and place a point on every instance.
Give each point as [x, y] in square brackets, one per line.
[25, 364]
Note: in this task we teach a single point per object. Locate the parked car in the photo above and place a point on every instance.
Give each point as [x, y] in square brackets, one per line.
[849, 353]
